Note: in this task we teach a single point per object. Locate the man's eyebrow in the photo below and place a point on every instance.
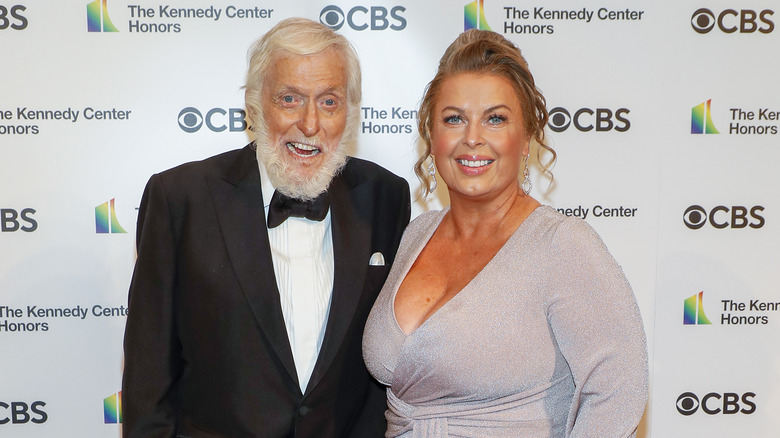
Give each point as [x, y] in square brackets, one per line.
[294, 89]
[335, 90]
[285, 88]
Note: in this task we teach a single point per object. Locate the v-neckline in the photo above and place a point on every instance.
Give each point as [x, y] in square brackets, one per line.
[431, 231]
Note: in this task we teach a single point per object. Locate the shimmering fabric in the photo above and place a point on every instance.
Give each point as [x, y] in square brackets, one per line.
[546, 341]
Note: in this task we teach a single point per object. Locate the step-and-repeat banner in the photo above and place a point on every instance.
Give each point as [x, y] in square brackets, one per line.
[664, 115]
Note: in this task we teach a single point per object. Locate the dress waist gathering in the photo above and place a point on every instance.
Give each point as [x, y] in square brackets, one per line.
[498, 417]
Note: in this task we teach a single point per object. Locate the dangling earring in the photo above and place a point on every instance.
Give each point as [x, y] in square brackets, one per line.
[432, 174]
[526, 185]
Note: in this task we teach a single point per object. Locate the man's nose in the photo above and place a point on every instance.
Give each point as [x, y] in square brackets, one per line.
[309, 123]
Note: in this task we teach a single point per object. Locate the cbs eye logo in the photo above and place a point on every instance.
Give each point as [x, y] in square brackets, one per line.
[696, 216]
[191, 120]
[586, 119]
[362, 18]
[729, 21]
[714, 403]
[333, 17]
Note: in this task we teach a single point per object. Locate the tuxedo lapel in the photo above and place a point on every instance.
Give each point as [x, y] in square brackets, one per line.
[351, 246]
[239, 203]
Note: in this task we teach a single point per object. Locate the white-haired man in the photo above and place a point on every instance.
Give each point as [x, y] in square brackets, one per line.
[257, 268]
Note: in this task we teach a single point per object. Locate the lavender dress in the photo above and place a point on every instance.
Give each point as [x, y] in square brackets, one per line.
[546, 341]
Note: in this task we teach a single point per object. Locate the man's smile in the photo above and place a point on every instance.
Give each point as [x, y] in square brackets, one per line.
[302, 149]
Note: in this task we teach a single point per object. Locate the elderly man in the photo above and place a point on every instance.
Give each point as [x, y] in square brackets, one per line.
[257, 268]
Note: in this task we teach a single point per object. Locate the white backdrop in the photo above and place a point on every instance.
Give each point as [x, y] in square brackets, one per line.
[86, 117]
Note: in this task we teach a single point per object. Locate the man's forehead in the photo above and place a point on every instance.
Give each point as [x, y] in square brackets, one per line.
[325, 68]
[330, 54]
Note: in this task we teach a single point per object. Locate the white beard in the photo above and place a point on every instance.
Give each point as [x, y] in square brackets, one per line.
[285, 177]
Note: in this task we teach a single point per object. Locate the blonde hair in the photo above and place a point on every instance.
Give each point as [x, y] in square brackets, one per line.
[481, 51]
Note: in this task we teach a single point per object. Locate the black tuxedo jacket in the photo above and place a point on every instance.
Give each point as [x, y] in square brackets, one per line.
[206, 350]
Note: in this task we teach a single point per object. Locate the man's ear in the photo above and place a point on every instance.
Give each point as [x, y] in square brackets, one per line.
[249, 111]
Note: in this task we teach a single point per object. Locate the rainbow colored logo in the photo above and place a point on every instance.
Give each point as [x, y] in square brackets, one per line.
[112, 409]
[693, 310]
[97, 17]
[105, 219]
[474, 16]
[701, 119]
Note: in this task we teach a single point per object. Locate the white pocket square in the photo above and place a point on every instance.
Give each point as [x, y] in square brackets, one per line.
[377, 259]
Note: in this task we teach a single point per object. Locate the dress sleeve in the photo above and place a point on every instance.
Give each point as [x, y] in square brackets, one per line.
[597, 325]
[152, 352]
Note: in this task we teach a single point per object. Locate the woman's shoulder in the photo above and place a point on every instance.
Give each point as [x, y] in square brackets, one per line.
[421, 226]
[562, 229]
[426, 220]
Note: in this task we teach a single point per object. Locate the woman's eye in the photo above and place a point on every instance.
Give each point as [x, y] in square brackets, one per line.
[496, 119]
[452, 120]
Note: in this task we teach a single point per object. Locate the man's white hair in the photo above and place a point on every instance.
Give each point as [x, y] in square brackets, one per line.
[299, 36]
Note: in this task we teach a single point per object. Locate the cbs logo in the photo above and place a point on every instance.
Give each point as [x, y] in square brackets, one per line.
[362, 18]
[697, 216]
[216, 119]
[729, 21]
[714, 403]
[17, 21]
[12, 220]
[586, 119]
[20, 413]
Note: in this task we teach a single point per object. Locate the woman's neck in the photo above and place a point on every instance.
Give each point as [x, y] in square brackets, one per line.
[479, 217]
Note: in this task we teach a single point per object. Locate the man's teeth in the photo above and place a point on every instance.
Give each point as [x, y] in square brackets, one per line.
[298, 148]
[474, 163]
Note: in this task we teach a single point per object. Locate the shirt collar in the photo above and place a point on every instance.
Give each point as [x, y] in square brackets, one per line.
[268, 191]
[266, 185]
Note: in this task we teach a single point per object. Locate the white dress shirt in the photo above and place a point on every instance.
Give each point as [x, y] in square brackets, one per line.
[302, 253]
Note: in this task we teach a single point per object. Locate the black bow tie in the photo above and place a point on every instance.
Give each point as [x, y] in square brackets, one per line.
[282, 207]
